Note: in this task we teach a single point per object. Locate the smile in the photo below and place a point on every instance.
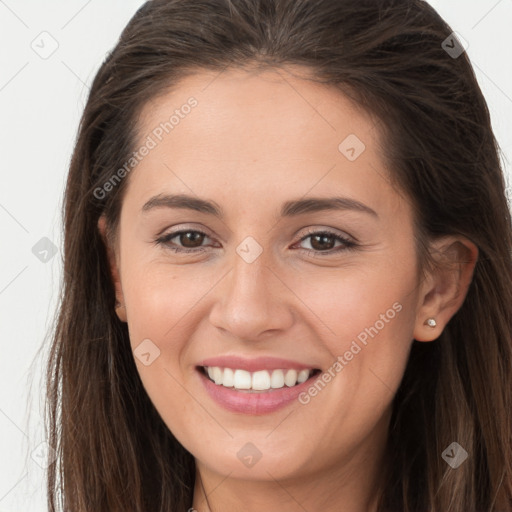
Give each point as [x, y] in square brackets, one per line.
[255, 392]
[262, 380]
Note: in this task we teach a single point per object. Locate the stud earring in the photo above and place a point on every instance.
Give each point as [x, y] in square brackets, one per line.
[431, 322]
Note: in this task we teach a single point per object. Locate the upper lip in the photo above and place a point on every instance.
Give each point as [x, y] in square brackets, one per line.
[254, 364]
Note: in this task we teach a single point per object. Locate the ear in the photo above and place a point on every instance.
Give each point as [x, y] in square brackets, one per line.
[114, 269]
[446, 284]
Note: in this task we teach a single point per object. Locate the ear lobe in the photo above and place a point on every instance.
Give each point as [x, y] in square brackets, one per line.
[114, 270]
[446, 285]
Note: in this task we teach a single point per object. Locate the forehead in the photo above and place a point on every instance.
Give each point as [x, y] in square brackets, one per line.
[258, 131]
[249, 105]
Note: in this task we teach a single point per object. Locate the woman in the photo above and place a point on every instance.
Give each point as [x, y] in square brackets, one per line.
[287, 268]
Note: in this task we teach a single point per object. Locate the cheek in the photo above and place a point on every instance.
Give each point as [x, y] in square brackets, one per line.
[161, 299]
[354, 303]
[365, 320]
[370, 347]
[160, 303]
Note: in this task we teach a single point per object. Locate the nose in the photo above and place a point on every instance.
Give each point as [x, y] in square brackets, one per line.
[252, 302]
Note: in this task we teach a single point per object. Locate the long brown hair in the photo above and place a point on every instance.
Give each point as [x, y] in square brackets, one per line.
[114, 451]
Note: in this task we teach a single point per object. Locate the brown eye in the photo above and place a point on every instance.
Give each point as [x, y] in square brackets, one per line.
[326, 243]
[191, 239]
[322, 241]
[186, 241]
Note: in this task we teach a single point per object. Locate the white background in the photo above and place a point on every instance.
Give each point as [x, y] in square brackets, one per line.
[40, 104]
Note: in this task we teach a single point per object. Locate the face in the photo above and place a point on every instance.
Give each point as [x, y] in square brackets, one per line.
[292, 258]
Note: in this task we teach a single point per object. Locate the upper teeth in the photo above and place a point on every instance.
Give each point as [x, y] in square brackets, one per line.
[260, 380]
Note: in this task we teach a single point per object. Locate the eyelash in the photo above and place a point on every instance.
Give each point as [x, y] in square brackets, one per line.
[347, 244]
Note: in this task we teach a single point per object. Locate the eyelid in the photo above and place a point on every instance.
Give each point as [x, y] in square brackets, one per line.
[312, 230]
[178, 228]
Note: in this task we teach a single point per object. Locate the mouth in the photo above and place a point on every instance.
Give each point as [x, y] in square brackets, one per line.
[261, 381]
[257, 385]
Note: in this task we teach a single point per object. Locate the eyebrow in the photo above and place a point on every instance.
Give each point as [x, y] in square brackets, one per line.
[289, 208]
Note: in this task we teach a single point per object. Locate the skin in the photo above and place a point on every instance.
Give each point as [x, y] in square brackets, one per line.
[255, 141]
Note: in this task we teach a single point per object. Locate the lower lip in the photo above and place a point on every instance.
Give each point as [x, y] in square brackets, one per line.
[262, 402]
